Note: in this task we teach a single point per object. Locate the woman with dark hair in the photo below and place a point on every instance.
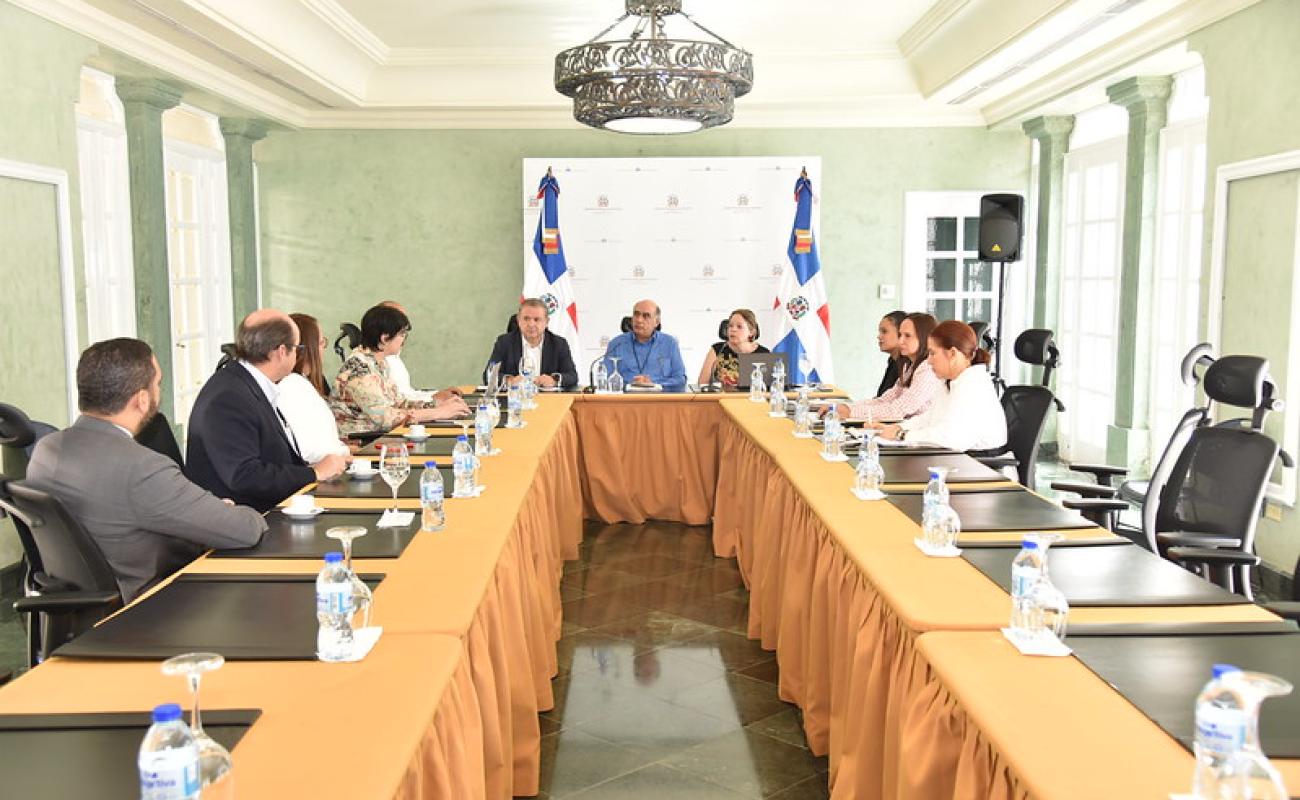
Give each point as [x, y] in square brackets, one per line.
[917, 386]
[742, 339]
[302, 396]
[887, 340]
[967, 414]
[365, 397]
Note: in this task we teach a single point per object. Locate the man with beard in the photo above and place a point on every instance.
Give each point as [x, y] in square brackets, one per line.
[146, 516]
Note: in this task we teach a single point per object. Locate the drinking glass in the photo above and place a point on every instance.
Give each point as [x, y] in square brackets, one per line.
[615, 378]
[394, 467]
[942, 532]
[494, 410]
[527, 370]
[215, 764]
[870, 446]
[870, 476]
[1050, 606]
[757, 390]
[1249, 775]
[600, 377]
[362, 597]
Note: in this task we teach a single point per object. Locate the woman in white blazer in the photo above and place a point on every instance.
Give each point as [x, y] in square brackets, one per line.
[302, 397]
[967, 415]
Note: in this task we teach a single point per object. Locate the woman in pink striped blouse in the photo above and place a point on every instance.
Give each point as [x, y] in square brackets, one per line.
[917, 386]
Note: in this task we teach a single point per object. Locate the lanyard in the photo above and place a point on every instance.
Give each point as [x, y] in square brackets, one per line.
[640, 362]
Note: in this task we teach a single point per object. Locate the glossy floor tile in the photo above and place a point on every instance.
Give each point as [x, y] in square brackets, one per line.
[659, 692]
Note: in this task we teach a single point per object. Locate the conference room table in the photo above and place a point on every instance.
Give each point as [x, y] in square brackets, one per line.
[873, 639]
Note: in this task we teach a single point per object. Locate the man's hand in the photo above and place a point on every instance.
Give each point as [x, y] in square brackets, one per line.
[446, 394]
[546, 381]
[329, 467]
[515, 380]
[890, 431]
[642, 380]
[840, 409]
[448, 409]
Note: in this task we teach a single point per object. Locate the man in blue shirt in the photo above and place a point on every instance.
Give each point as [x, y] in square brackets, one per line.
[646, 356]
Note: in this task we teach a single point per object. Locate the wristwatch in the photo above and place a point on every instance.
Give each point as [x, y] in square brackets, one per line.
[902, 434]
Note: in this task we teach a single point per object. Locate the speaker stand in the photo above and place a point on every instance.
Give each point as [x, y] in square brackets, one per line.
[998, 383]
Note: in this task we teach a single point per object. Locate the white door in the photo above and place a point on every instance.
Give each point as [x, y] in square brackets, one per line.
[1094, 201]
[198, 256]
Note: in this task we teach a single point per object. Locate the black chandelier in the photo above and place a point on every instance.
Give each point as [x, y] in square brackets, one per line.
[643, 81]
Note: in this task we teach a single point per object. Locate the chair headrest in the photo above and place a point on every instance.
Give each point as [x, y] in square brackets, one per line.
[352, 332]
[625, 325]
[15, 427]
[1200, 355]
[722, 328]
[1241, 381]
[512, 324]
[1035, 346]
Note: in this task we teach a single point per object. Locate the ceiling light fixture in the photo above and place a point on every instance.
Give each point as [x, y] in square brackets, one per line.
[641, 80]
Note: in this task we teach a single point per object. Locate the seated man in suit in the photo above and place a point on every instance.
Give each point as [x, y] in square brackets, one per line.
[147, 518]
[646, 355]
[548, 352]
[239, 445]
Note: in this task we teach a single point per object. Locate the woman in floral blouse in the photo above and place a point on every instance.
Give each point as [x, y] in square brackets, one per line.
[365, 398]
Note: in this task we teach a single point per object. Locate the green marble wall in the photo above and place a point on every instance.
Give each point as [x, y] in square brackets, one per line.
[1251, 65]
[39, 67]
[433, 218]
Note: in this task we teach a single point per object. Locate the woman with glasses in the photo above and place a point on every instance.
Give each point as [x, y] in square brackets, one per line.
[365, 397]
[303, 396]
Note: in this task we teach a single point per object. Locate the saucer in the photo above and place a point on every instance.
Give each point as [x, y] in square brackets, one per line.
[413, 438]
[301, 514]
[363, 476]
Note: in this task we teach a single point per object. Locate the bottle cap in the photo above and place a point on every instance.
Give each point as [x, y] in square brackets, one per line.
[1029, 544]
[333, 557]
[167, 712]
[462, 438]
[1219, 670]
[431, 465]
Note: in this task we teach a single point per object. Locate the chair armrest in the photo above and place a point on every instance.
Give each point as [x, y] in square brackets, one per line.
[1093, 490]
[1095, 505]
[1204, 541]
[67, 601]
[998, 462]
[1102, 472]
[1213, 557]
[1286, 610]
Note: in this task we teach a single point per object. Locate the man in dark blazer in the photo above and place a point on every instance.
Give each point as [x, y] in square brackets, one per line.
[239, 444]
[148, 520]
[549, 351]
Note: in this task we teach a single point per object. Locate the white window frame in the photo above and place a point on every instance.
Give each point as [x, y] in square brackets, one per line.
[1281, 492]
[58, 180]
[106, 229]
[1071, 376]
[208, 168]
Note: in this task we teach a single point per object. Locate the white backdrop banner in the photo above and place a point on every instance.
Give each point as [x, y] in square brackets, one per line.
[699, 236]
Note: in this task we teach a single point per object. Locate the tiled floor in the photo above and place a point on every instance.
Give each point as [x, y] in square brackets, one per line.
[659, 693]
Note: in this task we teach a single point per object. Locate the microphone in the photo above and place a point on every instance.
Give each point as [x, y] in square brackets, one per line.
[591, 375]
[709, 388]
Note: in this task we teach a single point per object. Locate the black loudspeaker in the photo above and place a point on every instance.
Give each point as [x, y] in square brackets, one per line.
[1001, 229]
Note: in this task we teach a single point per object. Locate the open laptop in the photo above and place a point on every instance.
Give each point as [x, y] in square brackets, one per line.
[768, 360]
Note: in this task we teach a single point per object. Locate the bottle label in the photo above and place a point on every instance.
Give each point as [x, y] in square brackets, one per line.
[334, 599]
[1023, 579]
[1220, 731]
[431, 492]
[171, 774]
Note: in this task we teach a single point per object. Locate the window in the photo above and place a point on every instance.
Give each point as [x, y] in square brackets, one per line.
[1176, 294]
[198, 250]
[105, 209]
[1089, 296]
[944, 275]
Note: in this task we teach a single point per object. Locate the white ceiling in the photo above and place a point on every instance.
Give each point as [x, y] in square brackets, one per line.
[488, 63]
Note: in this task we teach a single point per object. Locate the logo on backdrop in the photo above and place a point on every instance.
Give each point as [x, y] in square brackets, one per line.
[707, 271]
[602, 201]
[798, 306]
[638, 271]
[776, 270]
[743, 200]
[573, 272]
[604, 342]
[673, 202]
[532, 201]
[552, 304]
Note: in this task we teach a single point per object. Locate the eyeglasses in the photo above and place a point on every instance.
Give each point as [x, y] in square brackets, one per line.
[297, 348]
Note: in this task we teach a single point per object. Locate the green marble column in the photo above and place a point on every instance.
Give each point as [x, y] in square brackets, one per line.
[240, 135]
[1053, 137]
[1146, 99]
[144, 101]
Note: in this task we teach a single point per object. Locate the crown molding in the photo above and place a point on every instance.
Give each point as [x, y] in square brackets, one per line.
[930, 22]
[351, 29]
[1113, 56]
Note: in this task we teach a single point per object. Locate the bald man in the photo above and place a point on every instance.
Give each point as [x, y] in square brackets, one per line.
[648, 357]
[240, 446]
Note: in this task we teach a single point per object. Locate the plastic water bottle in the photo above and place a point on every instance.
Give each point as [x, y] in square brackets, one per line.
[169, 759]
[778, 371]
[832, 432]
[334, 609]
[432, 514]
[1026, 569]
[776, 399]
[936, 492]
[483, 429]
[462, 468]
[514, 406]
[1220, 731]
[757, 390]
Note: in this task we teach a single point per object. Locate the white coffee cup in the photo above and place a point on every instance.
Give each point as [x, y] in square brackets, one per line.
[301, 504]
[362, 466]
[417, 430]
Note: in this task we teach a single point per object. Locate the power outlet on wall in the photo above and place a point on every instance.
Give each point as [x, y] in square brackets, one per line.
[1273, 511]
[887, 291]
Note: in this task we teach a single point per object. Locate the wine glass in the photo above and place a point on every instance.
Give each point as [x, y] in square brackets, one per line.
[945, 525]
[394, 467]
[215, 764]
[1051, 608]
[870, 476]
[615, 378]
[362, 597]
[1249, 775]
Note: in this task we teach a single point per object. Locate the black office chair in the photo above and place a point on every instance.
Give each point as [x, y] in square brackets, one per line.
[158, 437]
[722, 328]
[19, 433]
[352, 334]
[626, 326]
[227, 356]
[1026, 408]
[70, 585]
[512, 324]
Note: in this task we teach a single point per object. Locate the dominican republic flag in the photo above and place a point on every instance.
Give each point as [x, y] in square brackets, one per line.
[802, 311]
[548, 278]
